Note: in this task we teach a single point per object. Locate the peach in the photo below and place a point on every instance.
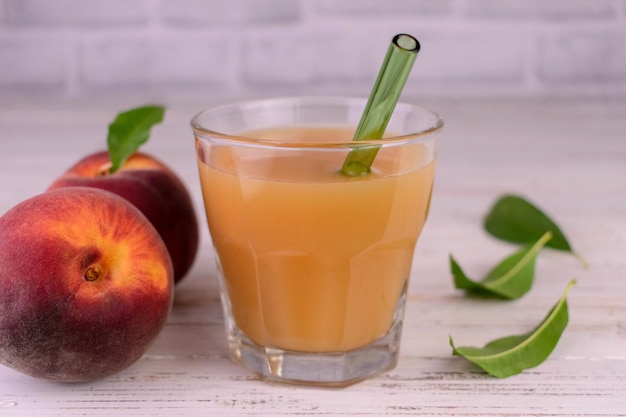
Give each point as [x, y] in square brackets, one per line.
[155, 190]
[86, 285]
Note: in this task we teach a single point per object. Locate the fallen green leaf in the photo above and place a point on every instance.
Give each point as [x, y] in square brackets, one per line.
[510, 279]
[129, 131]
[511, 355]
[516, 220]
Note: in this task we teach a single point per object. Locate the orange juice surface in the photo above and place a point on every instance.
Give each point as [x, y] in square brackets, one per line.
[314, 260]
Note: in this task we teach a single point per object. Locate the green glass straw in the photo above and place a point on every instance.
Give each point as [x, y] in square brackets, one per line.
[382, 101]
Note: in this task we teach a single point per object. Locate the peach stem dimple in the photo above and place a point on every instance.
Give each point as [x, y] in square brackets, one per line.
[93, 273]
[104, 169]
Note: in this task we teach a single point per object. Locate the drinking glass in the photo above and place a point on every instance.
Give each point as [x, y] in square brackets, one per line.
[314, 263]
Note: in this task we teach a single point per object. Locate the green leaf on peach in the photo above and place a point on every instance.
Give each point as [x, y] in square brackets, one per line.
[129, 131]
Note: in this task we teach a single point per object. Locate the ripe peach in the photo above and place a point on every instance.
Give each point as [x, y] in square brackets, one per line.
[155, 190]
[86, 285]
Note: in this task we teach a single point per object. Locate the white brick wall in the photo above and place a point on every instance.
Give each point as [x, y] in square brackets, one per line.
[566, 48]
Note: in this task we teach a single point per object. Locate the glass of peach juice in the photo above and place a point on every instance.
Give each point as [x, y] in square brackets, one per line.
[313, 264]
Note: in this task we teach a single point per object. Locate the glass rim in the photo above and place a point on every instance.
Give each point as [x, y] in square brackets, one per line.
[243, 140]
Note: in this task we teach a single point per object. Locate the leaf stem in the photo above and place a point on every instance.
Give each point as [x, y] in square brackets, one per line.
[582, 260]
[544, 323]
[522, 262]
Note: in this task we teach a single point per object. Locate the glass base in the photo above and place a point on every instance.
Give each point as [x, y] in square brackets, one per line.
[331, 370]
[318, 369]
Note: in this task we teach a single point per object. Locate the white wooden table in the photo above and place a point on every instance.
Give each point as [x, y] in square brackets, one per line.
[569, 157]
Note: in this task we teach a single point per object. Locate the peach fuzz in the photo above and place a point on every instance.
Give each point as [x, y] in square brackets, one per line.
[86, 285]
